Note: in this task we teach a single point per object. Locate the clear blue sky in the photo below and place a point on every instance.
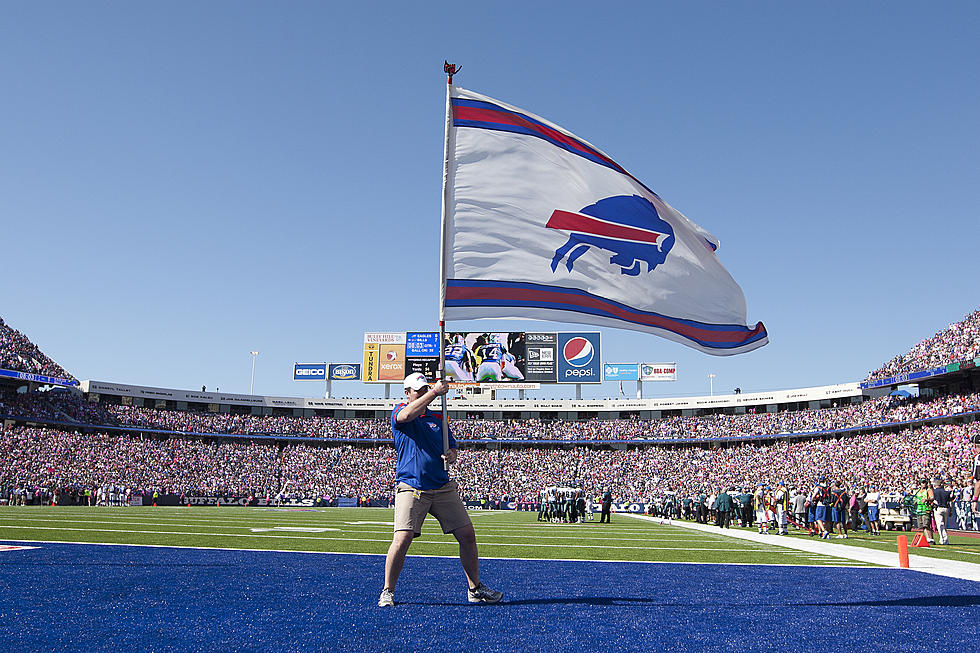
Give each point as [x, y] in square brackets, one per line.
[181, 183]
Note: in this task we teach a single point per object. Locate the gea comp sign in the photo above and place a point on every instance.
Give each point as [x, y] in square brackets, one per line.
[309, 371]
[658, 371]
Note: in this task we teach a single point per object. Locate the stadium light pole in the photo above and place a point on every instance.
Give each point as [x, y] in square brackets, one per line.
[251, 385]
[711, 383]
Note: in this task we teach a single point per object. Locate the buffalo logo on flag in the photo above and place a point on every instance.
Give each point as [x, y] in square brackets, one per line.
[539, 223]
[627, 226]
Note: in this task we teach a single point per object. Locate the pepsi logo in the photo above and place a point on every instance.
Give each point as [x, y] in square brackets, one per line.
[578, 352]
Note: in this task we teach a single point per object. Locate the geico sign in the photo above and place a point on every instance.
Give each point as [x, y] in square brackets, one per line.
[581, 374]
[319, 371]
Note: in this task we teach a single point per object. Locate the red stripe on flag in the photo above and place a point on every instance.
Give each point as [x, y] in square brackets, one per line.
[503, 117]
[463, 293]
[586, 224]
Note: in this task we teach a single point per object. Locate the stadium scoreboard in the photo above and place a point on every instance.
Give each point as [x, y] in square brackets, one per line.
[515, 358]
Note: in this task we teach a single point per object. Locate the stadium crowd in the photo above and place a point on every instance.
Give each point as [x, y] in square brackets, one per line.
[38, 460]
[957, 342]
[19, 354]
[884, 410]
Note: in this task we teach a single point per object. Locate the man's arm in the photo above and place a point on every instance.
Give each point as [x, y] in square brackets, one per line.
[415, 408]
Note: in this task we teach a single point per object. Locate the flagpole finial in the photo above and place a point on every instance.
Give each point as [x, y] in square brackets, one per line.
[451, 69]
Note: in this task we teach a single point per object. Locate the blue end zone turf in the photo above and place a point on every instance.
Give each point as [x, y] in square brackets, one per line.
[118, 598]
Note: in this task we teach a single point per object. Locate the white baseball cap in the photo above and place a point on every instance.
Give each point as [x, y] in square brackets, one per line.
[415, 381]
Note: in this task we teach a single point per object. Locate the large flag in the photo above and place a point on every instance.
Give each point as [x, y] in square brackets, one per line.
[540, 224]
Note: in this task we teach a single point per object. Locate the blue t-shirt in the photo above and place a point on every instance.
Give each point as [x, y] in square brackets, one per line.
[419, 447]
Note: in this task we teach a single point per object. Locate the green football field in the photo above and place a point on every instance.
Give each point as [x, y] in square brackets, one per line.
[501, 534]
[368, 530]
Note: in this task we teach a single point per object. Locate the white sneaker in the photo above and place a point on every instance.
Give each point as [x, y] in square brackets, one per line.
[483, 594]
[387, 598]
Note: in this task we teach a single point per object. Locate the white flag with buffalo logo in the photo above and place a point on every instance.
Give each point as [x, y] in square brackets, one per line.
[540, 224]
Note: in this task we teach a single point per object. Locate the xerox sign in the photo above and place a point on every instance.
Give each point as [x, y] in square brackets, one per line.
[579, 358]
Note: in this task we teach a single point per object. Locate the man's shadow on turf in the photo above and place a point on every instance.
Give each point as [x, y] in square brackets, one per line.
[957, 601]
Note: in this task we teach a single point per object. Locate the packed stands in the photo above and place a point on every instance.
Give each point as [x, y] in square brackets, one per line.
[38, 460]
[47, 458]
[19, 354]
[957, 342]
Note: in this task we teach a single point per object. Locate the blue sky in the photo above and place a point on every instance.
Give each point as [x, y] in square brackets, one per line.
[182, 183]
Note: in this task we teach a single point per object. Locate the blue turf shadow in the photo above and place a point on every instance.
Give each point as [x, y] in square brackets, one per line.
[206, 600]
[956, 601]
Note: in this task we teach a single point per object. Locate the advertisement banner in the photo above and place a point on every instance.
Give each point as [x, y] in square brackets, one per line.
[384, 357]
[542, 357]
[309, 371]
[658, 371]
[227, 500]
[621, 371]
[37, 378]
[344, 372]
[578, 357]
[370, 362]
[384, 338]
[903, 378]
[391, 362]
[486, 357]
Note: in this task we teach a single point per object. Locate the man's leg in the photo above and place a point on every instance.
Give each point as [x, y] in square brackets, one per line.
[396, 557]
[940, 515]
[468, 555]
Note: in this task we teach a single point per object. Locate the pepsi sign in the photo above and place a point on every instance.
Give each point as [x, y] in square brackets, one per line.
[309, 371]
[344, 371]
[579, 358]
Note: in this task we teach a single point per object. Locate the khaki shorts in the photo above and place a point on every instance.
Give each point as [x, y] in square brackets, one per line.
[411, 507]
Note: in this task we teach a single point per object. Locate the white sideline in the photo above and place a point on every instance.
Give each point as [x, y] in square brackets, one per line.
[939, 567]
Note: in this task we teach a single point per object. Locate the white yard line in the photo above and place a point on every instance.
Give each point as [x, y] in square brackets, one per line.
[417, 541]
[411, 555]
[484, 533]
[937, 566]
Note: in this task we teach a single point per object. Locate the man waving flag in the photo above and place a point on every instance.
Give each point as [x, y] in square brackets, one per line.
[540, 224]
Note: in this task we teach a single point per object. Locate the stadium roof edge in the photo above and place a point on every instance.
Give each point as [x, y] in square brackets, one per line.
[817, 393]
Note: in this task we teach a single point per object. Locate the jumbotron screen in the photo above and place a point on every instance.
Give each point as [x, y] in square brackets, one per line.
[485, 357]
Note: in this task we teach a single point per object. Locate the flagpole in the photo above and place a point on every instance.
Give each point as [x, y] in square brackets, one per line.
[450, 70]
